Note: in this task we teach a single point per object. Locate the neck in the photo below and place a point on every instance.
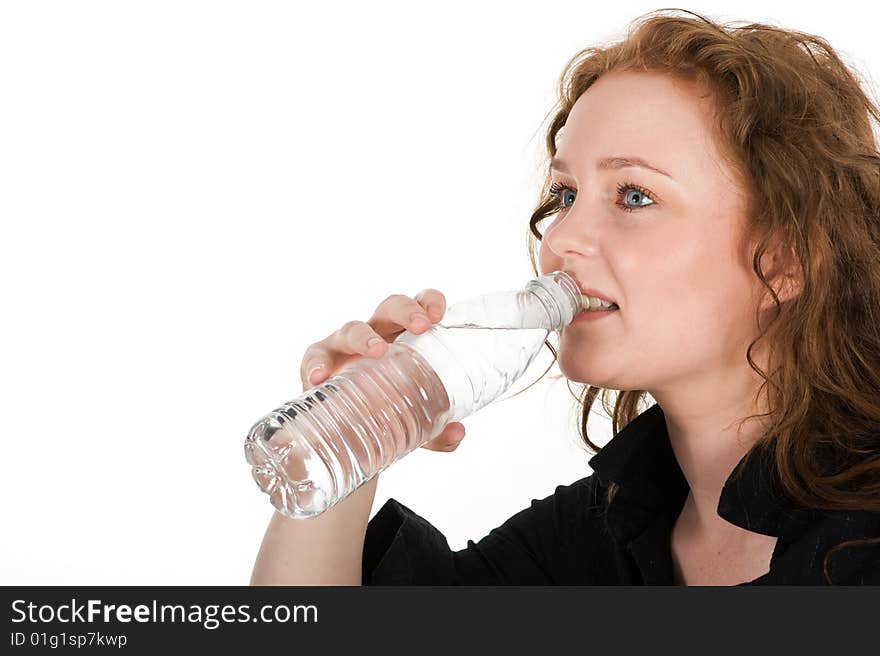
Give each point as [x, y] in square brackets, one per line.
[708, 444]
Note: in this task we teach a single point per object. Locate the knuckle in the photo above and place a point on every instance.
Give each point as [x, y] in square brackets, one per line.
[359, 332]
[394, 298]
[313, 351]
[388, 308]
[348, 326]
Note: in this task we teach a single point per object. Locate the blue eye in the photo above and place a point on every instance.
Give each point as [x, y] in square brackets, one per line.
[562, 192]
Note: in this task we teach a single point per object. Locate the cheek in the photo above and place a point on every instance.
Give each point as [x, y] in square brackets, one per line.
[681, 291]
[710, 314]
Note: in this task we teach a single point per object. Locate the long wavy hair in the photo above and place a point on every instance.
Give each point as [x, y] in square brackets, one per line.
[796, 126]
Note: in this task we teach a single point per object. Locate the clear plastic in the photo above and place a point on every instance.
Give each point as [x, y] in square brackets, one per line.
[314, 451]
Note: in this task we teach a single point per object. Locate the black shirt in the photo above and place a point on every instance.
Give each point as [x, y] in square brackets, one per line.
[573, 538]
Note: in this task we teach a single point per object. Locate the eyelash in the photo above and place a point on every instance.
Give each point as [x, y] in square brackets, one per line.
[556, 188]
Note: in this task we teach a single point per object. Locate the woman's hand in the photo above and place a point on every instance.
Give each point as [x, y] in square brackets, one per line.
[395, 315]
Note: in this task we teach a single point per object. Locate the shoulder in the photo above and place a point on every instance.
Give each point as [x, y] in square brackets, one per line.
[854, 554]
[844, 525]
[548, 542]
[564, 514]
[845, 544]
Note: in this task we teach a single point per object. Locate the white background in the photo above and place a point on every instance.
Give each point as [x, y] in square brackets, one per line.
[191, 193]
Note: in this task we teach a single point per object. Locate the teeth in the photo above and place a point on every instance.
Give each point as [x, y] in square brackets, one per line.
[593, 303]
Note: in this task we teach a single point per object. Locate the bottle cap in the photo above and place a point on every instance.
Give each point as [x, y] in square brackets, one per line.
[566, 294]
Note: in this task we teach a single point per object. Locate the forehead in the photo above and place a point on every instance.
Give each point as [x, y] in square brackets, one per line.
[666, 120]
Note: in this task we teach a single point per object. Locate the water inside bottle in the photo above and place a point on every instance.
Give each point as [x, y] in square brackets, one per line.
[492, 358]
[314, 451]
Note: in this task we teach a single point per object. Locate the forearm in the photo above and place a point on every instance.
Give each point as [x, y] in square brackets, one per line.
[323, 550]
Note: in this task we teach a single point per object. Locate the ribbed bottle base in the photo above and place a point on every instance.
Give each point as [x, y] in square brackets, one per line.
[314, 451]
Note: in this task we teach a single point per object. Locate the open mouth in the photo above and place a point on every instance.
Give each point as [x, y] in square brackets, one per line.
[602, 308]
[600, 311]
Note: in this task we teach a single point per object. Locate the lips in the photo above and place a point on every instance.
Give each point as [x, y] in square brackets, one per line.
[591, 292]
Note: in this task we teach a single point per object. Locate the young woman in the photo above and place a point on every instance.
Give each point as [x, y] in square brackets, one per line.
[721, 185]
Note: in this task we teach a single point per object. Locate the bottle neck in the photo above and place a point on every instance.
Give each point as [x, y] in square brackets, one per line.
[559, 294]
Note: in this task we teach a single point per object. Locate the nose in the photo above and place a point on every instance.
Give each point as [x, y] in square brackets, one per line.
[572, 233]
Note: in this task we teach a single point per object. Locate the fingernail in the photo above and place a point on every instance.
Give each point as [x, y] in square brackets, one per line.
[373, 341]
[434, 309]
[418, 317]
[312, 371]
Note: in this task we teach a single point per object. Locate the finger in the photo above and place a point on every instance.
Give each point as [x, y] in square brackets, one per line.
[354, 339]
[434, 303]
[392, 317]
[316, 371]
[443, 447]
[448, 440]
[398, 313]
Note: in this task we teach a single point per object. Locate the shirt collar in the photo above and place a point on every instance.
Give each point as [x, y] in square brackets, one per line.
[641, 461]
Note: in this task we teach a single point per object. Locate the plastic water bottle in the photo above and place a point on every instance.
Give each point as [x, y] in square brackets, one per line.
[314, 451]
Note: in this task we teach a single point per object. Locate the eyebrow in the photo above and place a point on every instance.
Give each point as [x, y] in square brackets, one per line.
[617, 162]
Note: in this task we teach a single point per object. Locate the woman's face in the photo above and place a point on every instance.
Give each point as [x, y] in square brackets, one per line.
[686, 296]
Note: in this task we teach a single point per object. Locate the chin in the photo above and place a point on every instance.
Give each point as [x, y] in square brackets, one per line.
[586, 373]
